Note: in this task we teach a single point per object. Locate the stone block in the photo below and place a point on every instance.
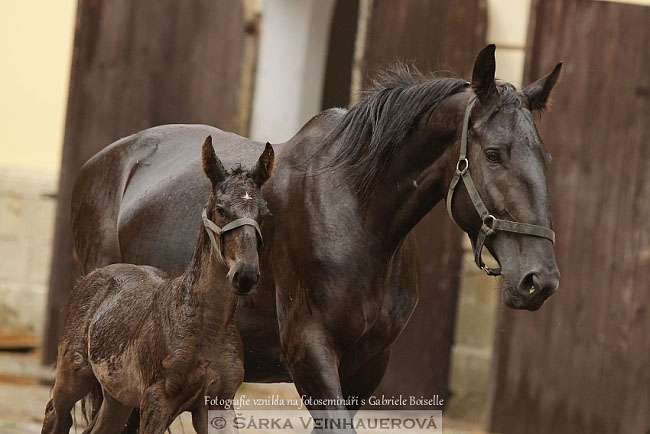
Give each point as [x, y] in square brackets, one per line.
[469, 384]
[15, 255]
[38, 219]
[11, 209]
[38, 263]
[22, 307]
[475, 324]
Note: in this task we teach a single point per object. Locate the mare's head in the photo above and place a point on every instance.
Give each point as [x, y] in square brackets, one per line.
[507, 162]
[236, 206]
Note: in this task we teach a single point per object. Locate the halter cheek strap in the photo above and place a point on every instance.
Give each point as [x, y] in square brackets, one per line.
[490, 224]
[212, 229]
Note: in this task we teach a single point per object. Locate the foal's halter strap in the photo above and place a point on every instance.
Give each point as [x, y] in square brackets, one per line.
[490, 223]
[212, 229]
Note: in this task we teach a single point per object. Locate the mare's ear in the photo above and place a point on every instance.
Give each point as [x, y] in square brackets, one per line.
[264, 167]
[211, 164]
[483, 75]
[539, 92]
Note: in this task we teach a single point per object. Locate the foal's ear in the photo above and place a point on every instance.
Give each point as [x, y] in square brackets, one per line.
[211, 164]
[264, 167]
[483, 75]
[539, 92]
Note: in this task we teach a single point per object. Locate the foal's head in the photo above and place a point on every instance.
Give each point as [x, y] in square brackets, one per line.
[235, 206]
[507, 162]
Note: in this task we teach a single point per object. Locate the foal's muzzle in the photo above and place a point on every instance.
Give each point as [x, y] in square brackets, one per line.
[244, 277]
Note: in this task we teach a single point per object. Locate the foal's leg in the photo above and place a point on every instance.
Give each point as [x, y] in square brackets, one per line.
[200, 419]
[156, 410]
[226, 389]
[74, 378]
[112, 417]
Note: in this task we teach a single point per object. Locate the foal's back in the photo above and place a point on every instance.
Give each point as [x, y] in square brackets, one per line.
[102, 287]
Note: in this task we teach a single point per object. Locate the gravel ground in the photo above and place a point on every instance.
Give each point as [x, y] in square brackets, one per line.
[25, 389]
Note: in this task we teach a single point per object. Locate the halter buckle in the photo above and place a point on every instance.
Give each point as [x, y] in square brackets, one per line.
[488, 220]
[464, 163]
[486, 227]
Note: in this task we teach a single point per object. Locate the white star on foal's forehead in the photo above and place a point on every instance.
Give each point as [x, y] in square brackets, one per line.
[246, 197]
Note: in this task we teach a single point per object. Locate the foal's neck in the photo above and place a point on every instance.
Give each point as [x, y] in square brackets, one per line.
[420, 175]
[205, 280]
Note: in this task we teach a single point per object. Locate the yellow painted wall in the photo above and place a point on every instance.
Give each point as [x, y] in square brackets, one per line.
[36, 38]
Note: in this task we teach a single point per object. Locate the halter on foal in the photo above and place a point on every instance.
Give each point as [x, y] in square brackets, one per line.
[162, 344]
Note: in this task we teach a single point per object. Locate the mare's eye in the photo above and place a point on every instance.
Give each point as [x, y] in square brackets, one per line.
[221, 211]
[493, 156]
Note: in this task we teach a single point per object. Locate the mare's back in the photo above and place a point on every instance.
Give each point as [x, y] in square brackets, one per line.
[158, 211]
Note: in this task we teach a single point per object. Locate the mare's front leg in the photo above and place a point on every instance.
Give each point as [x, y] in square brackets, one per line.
[360, 385]
[312, 359]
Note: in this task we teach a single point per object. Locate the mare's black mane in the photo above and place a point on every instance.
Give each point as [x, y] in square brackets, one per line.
[372, 129]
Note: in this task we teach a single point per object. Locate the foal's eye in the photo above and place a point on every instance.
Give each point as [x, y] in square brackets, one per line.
[221, 211]
[493, 156]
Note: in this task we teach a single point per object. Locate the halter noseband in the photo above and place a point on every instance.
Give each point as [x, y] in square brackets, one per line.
[490, 223]
[211, 228]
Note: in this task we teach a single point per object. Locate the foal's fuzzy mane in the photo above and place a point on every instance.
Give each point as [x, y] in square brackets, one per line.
[237, 170]
[371, 131]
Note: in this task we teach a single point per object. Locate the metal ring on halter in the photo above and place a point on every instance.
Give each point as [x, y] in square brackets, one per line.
[465, 162]
[489, 218]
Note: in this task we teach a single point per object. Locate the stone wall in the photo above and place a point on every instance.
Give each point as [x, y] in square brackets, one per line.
[27, 205]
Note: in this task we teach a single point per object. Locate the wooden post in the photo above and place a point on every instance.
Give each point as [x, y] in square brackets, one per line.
[435, 36]
[582, 363]
[136, 65]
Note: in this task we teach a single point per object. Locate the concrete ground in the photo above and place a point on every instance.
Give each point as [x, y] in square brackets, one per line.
[25, 389]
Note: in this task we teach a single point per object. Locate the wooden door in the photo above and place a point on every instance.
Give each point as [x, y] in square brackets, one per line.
[582, 363]
[136, 65]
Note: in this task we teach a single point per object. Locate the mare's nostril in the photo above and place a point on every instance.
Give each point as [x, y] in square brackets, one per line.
[527, 284]
[536, 285]
[544, 286]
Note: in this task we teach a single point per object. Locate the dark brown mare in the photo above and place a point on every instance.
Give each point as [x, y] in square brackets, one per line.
[164, 344]
[341, 270]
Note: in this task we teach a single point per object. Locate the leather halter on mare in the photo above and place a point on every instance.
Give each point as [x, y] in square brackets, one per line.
[211, 228]
[490, 223]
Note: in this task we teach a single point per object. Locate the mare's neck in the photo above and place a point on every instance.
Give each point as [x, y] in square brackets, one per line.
[419, 177]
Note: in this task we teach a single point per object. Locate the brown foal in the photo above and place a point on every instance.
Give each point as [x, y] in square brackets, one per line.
[161, 344]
